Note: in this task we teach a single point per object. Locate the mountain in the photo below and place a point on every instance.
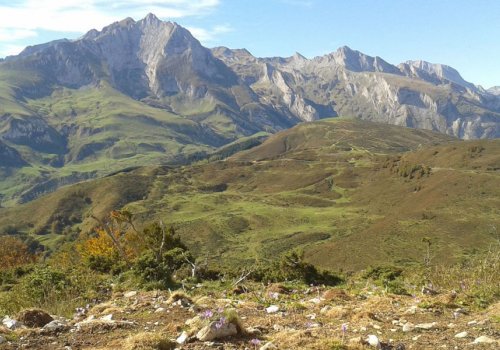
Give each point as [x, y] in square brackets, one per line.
[495, 90]
[147, 92]
[335, 188]
[349, 83]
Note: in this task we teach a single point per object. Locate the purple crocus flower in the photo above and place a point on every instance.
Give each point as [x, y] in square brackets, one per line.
[220, 323]
[207, 314]
[255, 341]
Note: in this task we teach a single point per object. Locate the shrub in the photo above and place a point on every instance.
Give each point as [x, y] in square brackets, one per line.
[14, 252]
[158, 272]
[292, 267]
[388, 277]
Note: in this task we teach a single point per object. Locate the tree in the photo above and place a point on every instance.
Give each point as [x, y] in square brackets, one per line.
[14, 253]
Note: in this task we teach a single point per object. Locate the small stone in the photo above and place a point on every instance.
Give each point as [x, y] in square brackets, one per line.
[395, 322]
[376, 326]
[55, 326]
[451, 325]
[107, 317]
[253, 331]
[484, 340]
[278, 327]
[268, 346]
[10, 323]
[426, 326]
[408, 327]
[272, 309]
[214, 331]
[315, 300]
[472, 323]
[325, 309]
[412, 310]
[372, 340]
[160, 309]
[2, 339]
[461, 335]
[415, 338]
[130, 294]
[182, 338]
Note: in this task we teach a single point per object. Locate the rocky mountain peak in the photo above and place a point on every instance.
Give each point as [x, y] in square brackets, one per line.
[495, 90]
[439, 71]
[298, 57]
[357, 61]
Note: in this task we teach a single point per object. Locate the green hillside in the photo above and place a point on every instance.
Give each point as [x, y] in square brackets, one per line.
[350, 193]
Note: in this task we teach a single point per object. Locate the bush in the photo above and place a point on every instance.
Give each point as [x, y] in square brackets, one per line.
[388, 277]
[57, 291]
[292, 267]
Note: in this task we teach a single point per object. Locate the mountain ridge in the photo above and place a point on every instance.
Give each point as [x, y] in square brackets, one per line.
[143, 92]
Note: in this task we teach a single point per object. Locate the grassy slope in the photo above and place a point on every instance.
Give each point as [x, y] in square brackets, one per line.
[121, 132]
[330, 187]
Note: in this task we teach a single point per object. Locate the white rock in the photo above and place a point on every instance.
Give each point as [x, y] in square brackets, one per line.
[415, 338]
[272, 309]
[315, 300]
[484, 340]
[182, 338]
[461, 335]
[55, 326]
[130, 294]
[278, 327]
[472, 323]
[268, 346]
[10, 323]
[408, 327]
[426, 326]
[160, 309]
[412, 310]
[376, 326]
[372, 340]
[451, 325]
[325, 309]
[107, 317]
[212, 332]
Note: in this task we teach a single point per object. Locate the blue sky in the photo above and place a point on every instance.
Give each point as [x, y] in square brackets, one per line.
[464, 34]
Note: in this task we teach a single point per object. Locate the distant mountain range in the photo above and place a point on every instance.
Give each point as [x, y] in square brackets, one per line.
[147, 92]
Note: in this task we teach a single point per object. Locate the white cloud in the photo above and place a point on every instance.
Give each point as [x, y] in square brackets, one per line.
[8, 50]
[81, 15]
[9, 34]
[24, 19]
[206, 36]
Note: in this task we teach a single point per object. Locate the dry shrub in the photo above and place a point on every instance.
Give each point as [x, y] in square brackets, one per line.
[148, 341]
[34, 318]
[179, 295]
[476, 280]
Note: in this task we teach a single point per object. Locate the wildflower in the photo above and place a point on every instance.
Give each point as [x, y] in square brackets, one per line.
[220, 323]
[343, 328]
[255, 342]
[207, 314]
